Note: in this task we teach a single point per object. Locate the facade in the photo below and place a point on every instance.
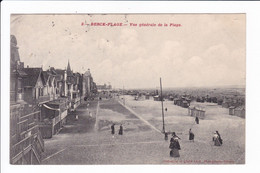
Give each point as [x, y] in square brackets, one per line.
[53, 116]
[89, 86]
[183, 102]
[16, 73]
[237, 111]
[104, 87]
[232, 110]
[157, 98]
[26, 143]
[196, 112]
[40, 102]
[240, 111]
[34, 86]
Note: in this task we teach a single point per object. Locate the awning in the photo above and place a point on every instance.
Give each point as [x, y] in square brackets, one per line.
[50, 108]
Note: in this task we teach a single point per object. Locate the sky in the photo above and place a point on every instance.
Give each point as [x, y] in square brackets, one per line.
[204, 50]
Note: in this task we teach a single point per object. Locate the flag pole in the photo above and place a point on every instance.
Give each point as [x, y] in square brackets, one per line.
[162, 105]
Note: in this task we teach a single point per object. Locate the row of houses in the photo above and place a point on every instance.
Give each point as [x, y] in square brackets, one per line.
[40, 101]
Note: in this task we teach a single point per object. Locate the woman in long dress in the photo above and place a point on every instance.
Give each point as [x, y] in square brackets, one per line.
[197, 120]
[113, 129]
[174, 146]
[191, 135]
[120, 130]
[217, 139]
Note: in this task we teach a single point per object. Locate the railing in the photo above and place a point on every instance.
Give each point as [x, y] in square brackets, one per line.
[40, 139]
[27, 135]
[18, 149]
[32, 142]
[35, 116]
[35, 152]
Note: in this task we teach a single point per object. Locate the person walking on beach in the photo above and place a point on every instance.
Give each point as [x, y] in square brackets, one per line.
[217, 139]
[113, 129]
[191, 135]
[174, 146]
[197, 120]
[120, 130]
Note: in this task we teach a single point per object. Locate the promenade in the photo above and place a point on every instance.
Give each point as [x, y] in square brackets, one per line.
[88, 139]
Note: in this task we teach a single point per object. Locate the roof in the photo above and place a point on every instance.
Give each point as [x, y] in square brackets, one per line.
[32, 76]
[52, 71]
[45, 76]
[60, 74]
[69, 71]
[21, 72]
[232, 107]
[87, 73]
[240, 108]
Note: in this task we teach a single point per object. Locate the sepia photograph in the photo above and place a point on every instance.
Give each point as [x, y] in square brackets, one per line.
[124, 89]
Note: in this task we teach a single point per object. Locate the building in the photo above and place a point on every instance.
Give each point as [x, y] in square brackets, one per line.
[75, 93]
[157, 98]
[50, 87]
[183, 102]
[232, 110]
[16, 73]
[61, 78]
[89, 88]
[26, 143]
[147, 96]
[53, 116]
[104, 87]
[240, 111]
[196, 112]
[34, 84]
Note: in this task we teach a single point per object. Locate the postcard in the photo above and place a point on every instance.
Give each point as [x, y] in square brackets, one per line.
[127, 88]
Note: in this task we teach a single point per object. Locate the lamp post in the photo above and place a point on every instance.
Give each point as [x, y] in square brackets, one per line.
[162, 105]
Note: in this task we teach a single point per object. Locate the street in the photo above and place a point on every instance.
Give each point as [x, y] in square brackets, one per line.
[88, 139]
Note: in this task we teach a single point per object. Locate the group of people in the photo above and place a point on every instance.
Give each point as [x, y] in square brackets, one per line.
[120, 132]
[175, 145]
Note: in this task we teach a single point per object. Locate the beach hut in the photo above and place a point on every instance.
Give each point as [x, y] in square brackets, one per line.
[184, 104]
[175, 101]
[232, 110]
[196, 112]
[156, 98]
[171, 98]
[240, 111]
